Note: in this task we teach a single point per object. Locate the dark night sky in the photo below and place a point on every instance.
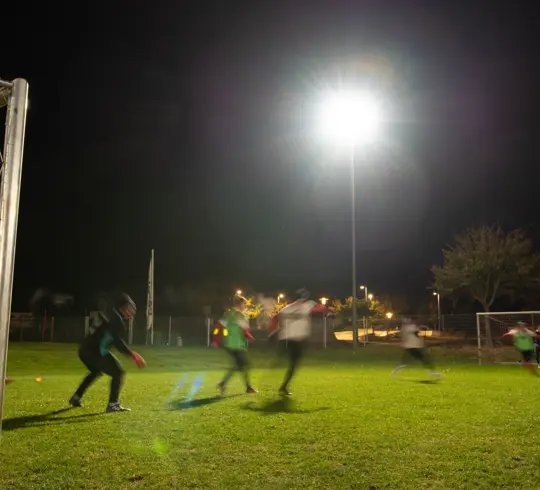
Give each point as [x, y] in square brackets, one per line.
[185, 129]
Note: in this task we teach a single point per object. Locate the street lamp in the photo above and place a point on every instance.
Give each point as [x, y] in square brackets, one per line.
[280, 296]
[323, 300]
[370, 297]
[350, 118]
[435, 293]
[365, 292]
[389, 315]
[239, 292]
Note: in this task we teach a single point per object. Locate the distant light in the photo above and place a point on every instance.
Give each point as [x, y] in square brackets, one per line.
[349, 117]
[239, 292]
[370, 297]
[323, 300]
[362, 287]
[389, 315]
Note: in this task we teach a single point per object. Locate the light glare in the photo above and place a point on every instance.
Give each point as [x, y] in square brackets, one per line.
[349, 117]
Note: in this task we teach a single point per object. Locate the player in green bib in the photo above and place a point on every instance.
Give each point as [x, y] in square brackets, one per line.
[524, 343]
[232, 332]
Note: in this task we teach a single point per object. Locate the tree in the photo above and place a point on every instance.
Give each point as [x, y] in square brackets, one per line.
[486, 263]
[369, 308]
[253, 308]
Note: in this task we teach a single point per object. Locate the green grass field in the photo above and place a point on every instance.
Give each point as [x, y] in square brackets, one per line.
[349, 425]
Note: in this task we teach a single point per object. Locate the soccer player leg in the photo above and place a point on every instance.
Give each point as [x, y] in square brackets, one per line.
[229, 372]
[111, 366]
[527, 358]
[538, 355]
[424, 358]
[243, 366]
[295, 354]
[403, 363]
[91, 363]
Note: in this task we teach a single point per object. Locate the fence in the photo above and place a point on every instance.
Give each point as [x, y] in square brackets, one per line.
[179, 331]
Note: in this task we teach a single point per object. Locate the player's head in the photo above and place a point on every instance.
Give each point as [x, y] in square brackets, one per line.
[521, 325]
[303, 294]
[125, 305]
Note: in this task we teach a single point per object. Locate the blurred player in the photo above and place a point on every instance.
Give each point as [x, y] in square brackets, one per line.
[524, 340]
[231, 332]
[413, 347]
[95, 354]
[293, 327]
[537, 345]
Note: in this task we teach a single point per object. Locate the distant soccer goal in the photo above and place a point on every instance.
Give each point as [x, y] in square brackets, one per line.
[490, 328]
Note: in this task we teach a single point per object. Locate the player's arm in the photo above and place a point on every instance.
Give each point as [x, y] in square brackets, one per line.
[217, 334]
[274, 326]
[320, 309]
[118, 342]
[247, 334]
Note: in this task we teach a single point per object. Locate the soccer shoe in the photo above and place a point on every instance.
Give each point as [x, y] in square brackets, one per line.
[75, 401]
[221, 388]
[284, 392]
[116, 407]
[397, 370]
[435, 374]
[251, 390]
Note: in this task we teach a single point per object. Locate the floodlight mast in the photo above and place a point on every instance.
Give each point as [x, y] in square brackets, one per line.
[352, 118]
[17, 103]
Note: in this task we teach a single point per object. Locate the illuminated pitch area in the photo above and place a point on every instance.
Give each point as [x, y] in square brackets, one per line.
[349, 424]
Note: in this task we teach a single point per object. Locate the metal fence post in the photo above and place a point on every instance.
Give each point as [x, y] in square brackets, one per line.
[324, 331]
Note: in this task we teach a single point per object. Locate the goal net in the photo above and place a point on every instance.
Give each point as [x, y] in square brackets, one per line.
[490, 328]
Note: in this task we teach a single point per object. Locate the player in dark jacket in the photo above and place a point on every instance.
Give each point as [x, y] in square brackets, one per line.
[95, 353]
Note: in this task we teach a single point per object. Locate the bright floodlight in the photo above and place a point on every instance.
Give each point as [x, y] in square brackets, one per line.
[350, 117]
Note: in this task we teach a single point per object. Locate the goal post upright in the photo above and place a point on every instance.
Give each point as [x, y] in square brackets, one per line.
[479, 339]
[14, 94]
[510, 319]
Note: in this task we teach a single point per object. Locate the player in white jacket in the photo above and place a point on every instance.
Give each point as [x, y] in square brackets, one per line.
[293, 327]
[413, 347]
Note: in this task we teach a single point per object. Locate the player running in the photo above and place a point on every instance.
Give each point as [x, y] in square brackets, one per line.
[95, 354]
[231, 332]
[413, 347]
[524, 340]
[293, 326]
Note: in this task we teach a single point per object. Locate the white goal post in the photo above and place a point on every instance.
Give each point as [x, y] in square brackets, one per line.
[491, 326]
[14, 95]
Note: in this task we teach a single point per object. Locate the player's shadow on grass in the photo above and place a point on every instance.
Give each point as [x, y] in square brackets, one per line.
[423, 381]
[184, 404]
[45, 419]
[281, 405]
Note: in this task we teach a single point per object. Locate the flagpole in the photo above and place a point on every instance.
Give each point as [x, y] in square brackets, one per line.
[152, 332]
[150, 301]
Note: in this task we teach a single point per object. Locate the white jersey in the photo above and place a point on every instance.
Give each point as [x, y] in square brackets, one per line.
[295, 320]
[410, 338]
